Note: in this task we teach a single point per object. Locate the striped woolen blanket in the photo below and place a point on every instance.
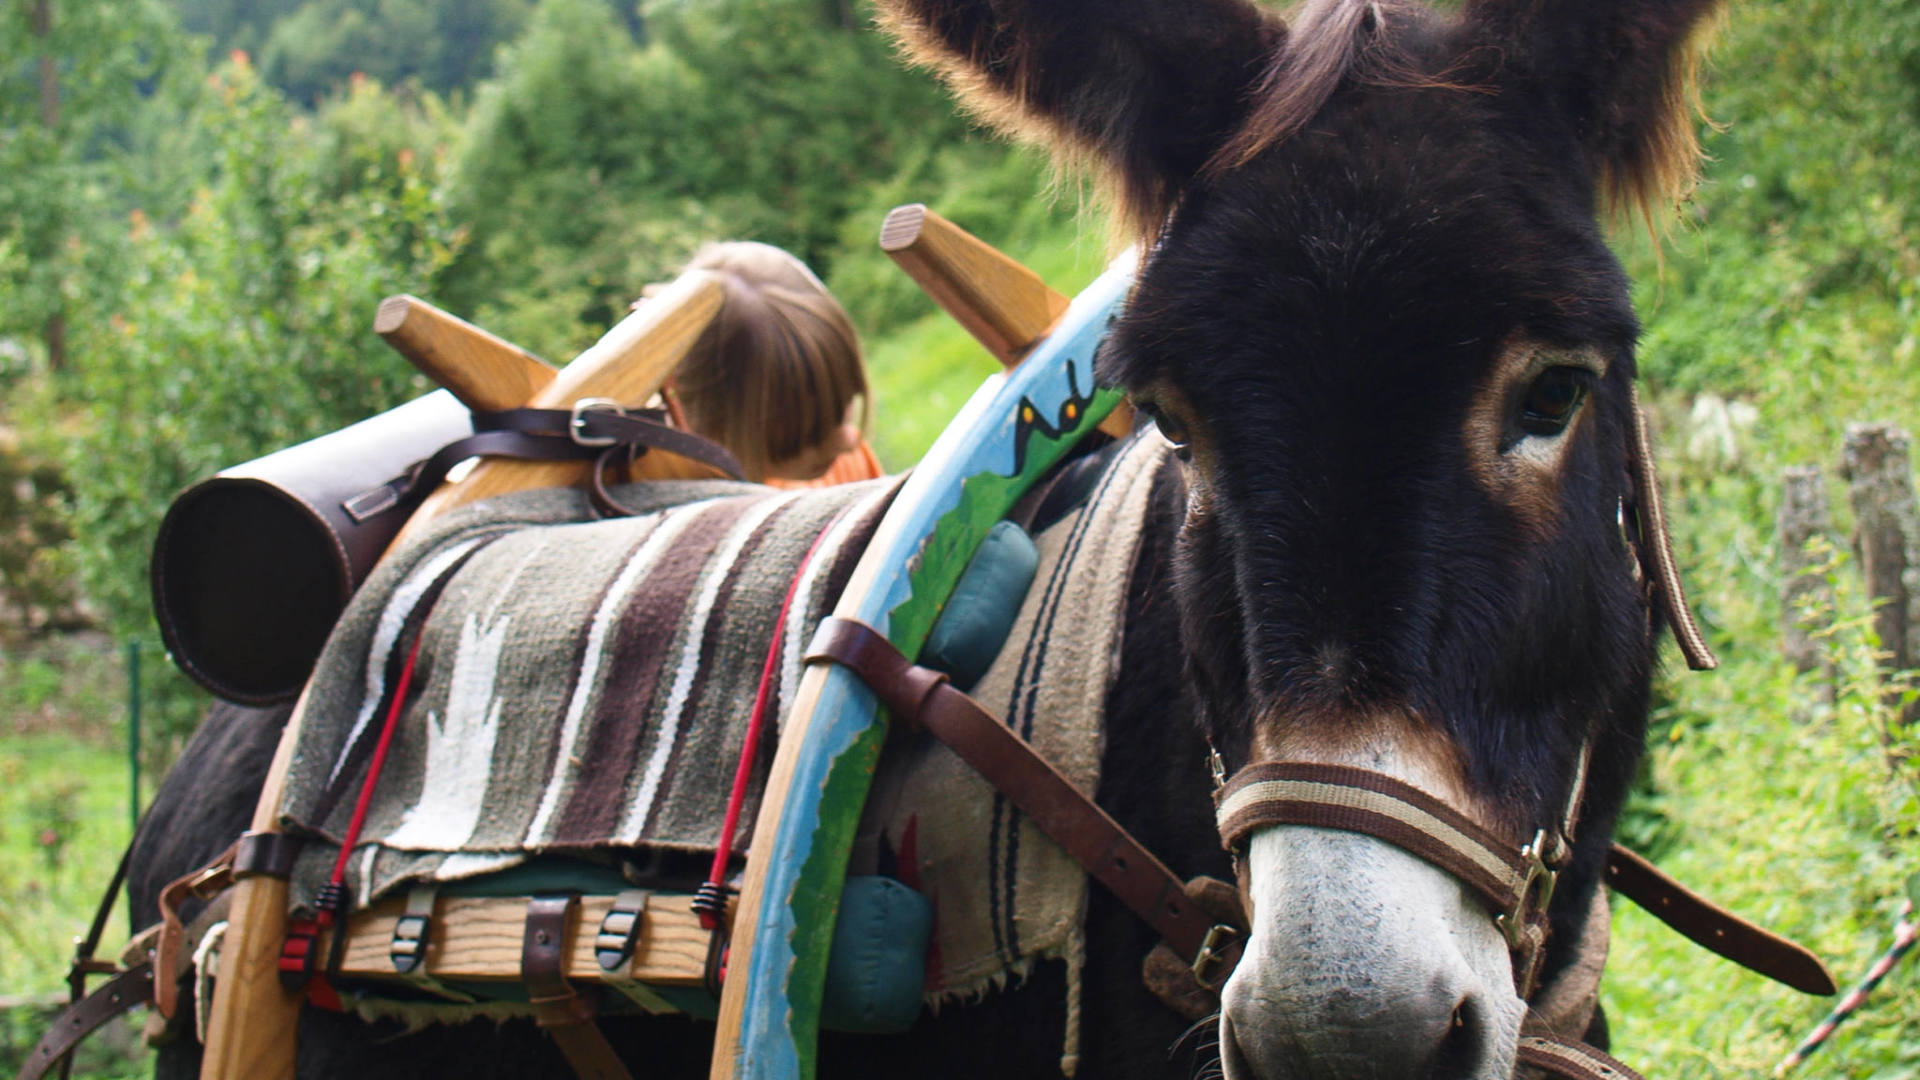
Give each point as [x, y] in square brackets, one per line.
[580, 685]
[584, 688]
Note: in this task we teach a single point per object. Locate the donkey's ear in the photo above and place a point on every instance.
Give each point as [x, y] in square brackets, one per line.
[1622, 71]
[1149, 89]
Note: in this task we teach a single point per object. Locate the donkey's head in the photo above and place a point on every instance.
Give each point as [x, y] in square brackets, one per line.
[1379, 317]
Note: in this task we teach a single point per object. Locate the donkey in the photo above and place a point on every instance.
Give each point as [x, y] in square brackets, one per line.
[1380, 324]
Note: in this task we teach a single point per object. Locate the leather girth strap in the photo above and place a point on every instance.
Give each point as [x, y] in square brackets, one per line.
[922, 696]
[1714, 928]
[131, 987]
[558, 1007]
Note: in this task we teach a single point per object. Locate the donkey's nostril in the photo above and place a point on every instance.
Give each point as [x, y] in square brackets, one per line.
[1460, 1050]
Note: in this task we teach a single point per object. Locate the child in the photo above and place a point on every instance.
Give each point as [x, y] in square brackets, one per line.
[777, 377]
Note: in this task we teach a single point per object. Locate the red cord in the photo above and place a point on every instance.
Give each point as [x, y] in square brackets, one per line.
[743, 774]
[352, 835]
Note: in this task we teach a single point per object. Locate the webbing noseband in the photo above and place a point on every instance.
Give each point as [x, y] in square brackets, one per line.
[1515, 884]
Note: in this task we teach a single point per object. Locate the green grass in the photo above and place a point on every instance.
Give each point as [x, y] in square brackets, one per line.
[64, 821]
[1778, 794]
[63, 824]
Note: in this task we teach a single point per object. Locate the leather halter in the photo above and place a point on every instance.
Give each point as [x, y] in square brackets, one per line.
[1515, 882]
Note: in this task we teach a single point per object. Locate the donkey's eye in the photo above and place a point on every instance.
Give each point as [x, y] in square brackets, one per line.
[1170, 429]
[1553, 399]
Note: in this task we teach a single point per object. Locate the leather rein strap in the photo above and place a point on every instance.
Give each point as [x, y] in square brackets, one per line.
[1516, 886]
[922, 696]
[1714, 928]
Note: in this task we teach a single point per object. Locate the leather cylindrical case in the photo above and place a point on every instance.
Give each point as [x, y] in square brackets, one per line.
[252, 567]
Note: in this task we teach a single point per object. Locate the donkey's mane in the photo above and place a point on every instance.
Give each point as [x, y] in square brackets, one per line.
[1328, 41]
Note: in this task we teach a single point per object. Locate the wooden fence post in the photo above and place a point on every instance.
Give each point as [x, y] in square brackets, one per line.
[1803, 515]
[1877, 465]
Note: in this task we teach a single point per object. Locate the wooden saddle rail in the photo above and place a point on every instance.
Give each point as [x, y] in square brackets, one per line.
[250, 1032]
[1005, 306]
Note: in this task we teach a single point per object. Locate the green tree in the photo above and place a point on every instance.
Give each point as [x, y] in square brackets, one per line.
[592, 166]
[66, 103]
[241, 328]
[314, 49]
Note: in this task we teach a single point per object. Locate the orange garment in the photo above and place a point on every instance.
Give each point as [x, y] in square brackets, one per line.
[858, 463]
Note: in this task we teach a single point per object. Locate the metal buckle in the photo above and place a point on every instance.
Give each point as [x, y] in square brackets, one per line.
[1540, 879]
[211, 881]
[1213, 949]
[577, 422]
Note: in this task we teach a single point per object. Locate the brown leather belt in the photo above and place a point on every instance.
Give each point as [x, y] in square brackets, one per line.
[922, 696]
[131, 987]
[561, 1010]
[1574, 1060]
[1514, 881]
[1714, 928]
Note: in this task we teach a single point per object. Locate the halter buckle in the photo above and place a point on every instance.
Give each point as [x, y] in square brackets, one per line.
[1539, 881]
[577, 423]
[1213, 952]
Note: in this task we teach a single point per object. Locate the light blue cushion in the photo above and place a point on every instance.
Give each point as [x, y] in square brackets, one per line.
[980, 614]
[879, 961]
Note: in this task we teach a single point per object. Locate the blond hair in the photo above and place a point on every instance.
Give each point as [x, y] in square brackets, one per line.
[777, 371]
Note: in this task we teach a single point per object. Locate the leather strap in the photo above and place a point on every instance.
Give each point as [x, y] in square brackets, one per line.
[1578, 1061]
[1089, 834]
[1355, 800]
[1516, 884]
[1655, 549]
[265, 854]
[131, 987]
[1714, 928]
[595, 429]
[202, 884]
[564, 1012]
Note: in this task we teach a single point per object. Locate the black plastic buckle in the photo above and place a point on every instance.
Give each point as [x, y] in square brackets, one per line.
[620, 930]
